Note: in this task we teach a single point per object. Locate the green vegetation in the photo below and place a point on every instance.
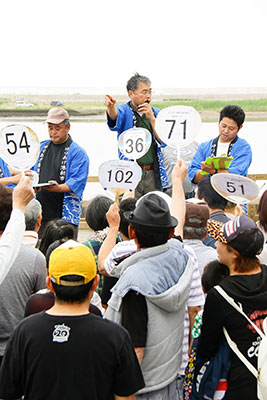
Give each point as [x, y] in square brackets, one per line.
[253, 105]
[257, 108]
[82, 108]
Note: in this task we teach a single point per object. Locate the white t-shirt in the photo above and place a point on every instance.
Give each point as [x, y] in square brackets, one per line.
[222, 149]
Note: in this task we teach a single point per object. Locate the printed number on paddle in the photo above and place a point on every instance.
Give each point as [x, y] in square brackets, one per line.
[231, 188]
[173, 122]
[120, 176]
[137, 145]
[12, 145]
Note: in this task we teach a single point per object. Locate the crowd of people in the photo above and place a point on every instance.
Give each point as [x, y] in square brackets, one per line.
[139, 309]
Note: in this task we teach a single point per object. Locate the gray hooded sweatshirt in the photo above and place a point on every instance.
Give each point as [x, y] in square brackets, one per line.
[163, 275]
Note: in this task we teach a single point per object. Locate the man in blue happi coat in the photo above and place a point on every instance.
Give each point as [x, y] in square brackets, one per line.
[139, 113]
[228, 143]
[64, 163]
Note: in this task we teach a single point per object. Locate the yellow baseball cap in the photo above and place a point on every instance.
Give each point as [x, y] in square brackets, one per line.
[72, 258]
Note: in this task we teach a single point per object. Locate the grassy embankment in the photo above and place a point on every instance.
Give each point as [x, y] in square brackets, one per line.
[256, 109]
[216, 105]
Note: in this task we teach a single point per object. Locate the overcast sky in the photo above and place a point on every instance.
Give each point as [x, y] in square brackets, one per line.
[100, 43]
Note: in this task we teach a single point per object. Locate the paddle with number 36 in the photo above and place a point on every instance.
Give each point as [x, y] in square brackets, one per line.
[134, 143]
[19, 147]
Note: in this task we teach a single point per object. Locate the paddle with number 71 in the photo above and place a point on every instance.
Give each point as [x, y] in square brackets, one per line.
[178, 126]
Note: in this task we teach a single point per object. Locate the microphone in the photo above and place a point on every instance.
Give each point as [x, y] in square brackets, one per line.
[147, 101]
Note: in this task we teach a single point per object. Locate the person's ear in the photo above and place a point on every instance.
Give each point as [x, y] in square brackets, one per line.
[131, 232]
[95, 283]
[49, 284]
[235, 253]
[38, 223]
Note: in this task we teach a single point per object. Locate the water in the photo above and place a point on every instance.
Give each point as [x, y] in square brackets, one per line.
[101, 144]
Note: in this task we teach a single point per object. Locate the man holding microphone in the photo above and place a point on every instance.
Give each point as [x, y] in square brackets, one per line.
[139, 113]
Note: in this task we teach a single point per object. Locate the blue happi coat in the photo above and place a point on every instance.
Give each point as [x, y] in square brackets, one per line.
[77, 169]
[123, 122]
[241, 151]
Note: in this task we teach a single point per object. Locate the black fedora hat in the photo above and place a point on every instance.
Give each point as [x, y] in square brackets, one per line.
[153, 212]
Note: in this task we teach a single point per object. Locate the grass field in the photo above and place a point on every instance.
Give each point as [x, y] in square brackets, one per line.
[256, 109]
[253, 105]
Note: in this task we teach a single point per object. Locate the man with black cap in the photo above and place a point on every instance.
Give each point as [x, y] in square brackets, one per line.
[67, 352]
[150, 297]
[64, 163]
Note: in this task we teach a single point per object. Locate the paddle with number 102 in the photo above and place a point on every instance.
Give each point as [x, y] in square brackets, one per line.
[119, 175]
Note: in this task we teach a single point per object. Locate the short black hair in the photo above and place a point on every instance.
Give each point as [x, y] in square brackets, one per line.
[5, 206]
[125, 205]
[96, 212]
[135, 80]
[213, 273]
[148, 237]
[55, 230]
[233, 112]
[213, 199]
[72, 294]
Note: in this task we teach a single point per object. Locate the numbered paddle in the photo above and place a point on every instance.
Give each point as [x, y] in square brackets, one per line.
[235, 188]
[178, 126]
[19, 146]
[134, 143]
[119, 175]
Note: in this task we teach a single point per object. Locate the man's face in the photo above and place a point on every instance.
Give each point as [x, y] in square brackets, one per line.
[58, 133]
[228, 130]
[141, 95]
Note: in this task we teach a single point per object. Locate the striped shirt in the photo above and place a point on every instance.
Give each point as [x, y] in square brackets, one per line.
[196, 298]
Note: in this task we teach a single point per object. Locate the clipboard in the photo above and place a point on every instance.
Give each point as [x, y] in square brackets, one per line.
[218, 162]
